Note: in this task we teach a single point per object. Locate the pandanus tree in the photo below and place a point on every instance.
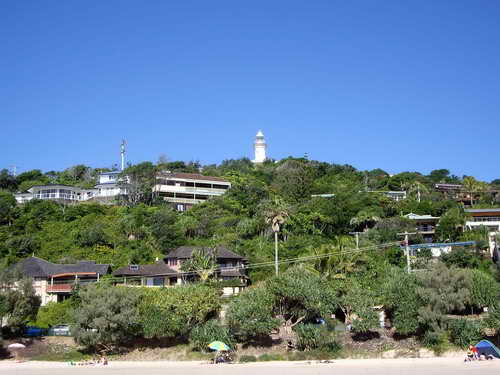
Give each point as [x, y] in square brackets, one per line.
[202, 262]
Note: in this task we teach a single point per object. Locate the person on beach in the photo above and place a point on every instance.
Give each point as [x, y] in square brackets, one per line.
[470, 354]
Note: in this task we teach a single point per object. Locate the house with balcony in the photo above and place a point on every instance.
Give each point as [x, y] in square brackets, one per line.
[110, 186]
[56, 192]
[184, 190]
[55, 282]
[425, 225]
[394, 195]
[167, 272]
[487, 217]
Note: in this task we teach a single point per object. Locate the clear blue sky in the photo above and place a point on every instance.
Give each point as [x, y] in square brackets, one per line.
[399, 85]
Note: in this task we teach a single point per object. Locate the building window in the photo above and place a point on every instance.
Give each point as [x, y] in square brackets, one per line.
[158, 281]
[172, 262]
[180, 207]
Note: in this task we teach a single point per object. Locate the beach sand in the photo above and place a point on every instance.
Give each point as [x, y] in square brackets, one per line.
[410, 366]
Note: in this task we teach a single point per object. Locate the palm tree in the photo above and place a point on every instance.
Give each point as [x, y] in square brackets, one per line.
[365, 218]
[275, 212]
[417, 188]
[471, 186]
[336, 260]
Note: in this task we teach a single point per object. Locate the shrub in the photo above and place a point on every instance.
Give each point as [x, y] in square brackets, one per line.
[311, 337]
[485, 290]
[54, 313]
[464, 332]
[203, 334]
[171, 312]
[247, 358]
[436, 340]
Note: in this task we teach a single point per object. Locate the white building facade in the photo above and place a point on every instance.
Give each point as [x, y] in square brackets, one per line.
[487, 217]
[60, 193]
[110, 185]
[184, 190]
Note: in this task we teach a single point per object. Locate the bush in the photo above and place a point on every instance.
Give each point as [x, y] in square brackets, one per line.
[173, 312]
[205, 333]
[54, 313]
[464, 332]
[436, 340]
[247, 358]
[312, 336]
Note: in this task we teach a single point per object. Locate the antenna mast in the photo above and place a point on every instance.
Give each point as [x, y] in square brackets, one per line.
[122, 152]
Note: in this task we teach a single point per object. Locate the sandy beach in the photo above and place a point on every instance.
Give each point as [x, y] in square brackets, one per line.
[427, 366]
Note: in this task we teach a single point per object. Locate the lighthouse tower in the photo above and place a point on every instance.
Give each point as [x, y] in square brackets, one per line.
[259, 147]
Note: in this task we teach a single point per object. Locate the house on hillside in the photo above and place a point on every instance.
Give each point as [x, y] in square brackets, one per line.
[425, 225]
[110, 186]
[158, 274]
[167, 272]
[394, 195]
[56, 192]
[55, 282]
[183, 190]
[488, 217]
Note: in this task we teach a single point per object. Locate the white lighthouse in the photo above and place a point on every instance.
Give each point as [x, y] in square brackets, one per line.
[259, 147]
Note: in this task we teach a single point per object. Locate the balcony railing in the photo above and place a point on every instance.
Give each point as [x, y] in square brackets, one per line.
[66, 286]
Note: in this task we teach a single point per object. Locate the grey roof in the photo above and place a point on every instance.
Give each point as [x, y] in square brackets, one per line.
[191, 176]
[185, 252]
[37, 267]
[232, 272]
[157, 269]
[480, 210]
[413, 216]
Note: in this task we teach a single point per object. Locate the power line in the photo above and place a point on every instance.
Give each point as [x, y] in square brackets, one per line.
[283, 261]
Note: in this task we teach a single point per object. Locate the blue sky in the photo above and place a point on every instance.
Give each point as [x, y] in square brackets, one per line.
[398, 85]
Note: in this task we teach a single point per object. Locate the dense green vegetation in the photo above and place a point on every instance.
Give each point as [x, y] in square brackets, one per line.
[263, 198]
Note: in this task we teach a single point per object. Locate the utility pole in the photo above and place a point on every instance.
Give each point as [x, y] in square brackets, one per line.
[357, 238]
[276, 252]
[407, 249]
[122, 152]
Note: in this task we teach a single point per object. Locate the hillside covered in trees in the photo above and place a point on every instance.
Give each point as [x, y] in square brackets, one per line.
[322, 272]
[139, 232]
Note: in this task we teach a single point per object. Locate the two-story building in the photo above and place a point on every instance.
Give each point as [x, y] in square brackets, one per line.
[183, 190]
[110, 186]
[168, 272]
[425, 225]
[55, 282]
[488, 217]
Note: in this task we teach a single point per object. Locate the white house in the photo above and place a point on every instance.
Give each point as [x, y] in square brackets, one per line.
[184, 190]
[56, 192]
[488, 217]
[109, 185]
